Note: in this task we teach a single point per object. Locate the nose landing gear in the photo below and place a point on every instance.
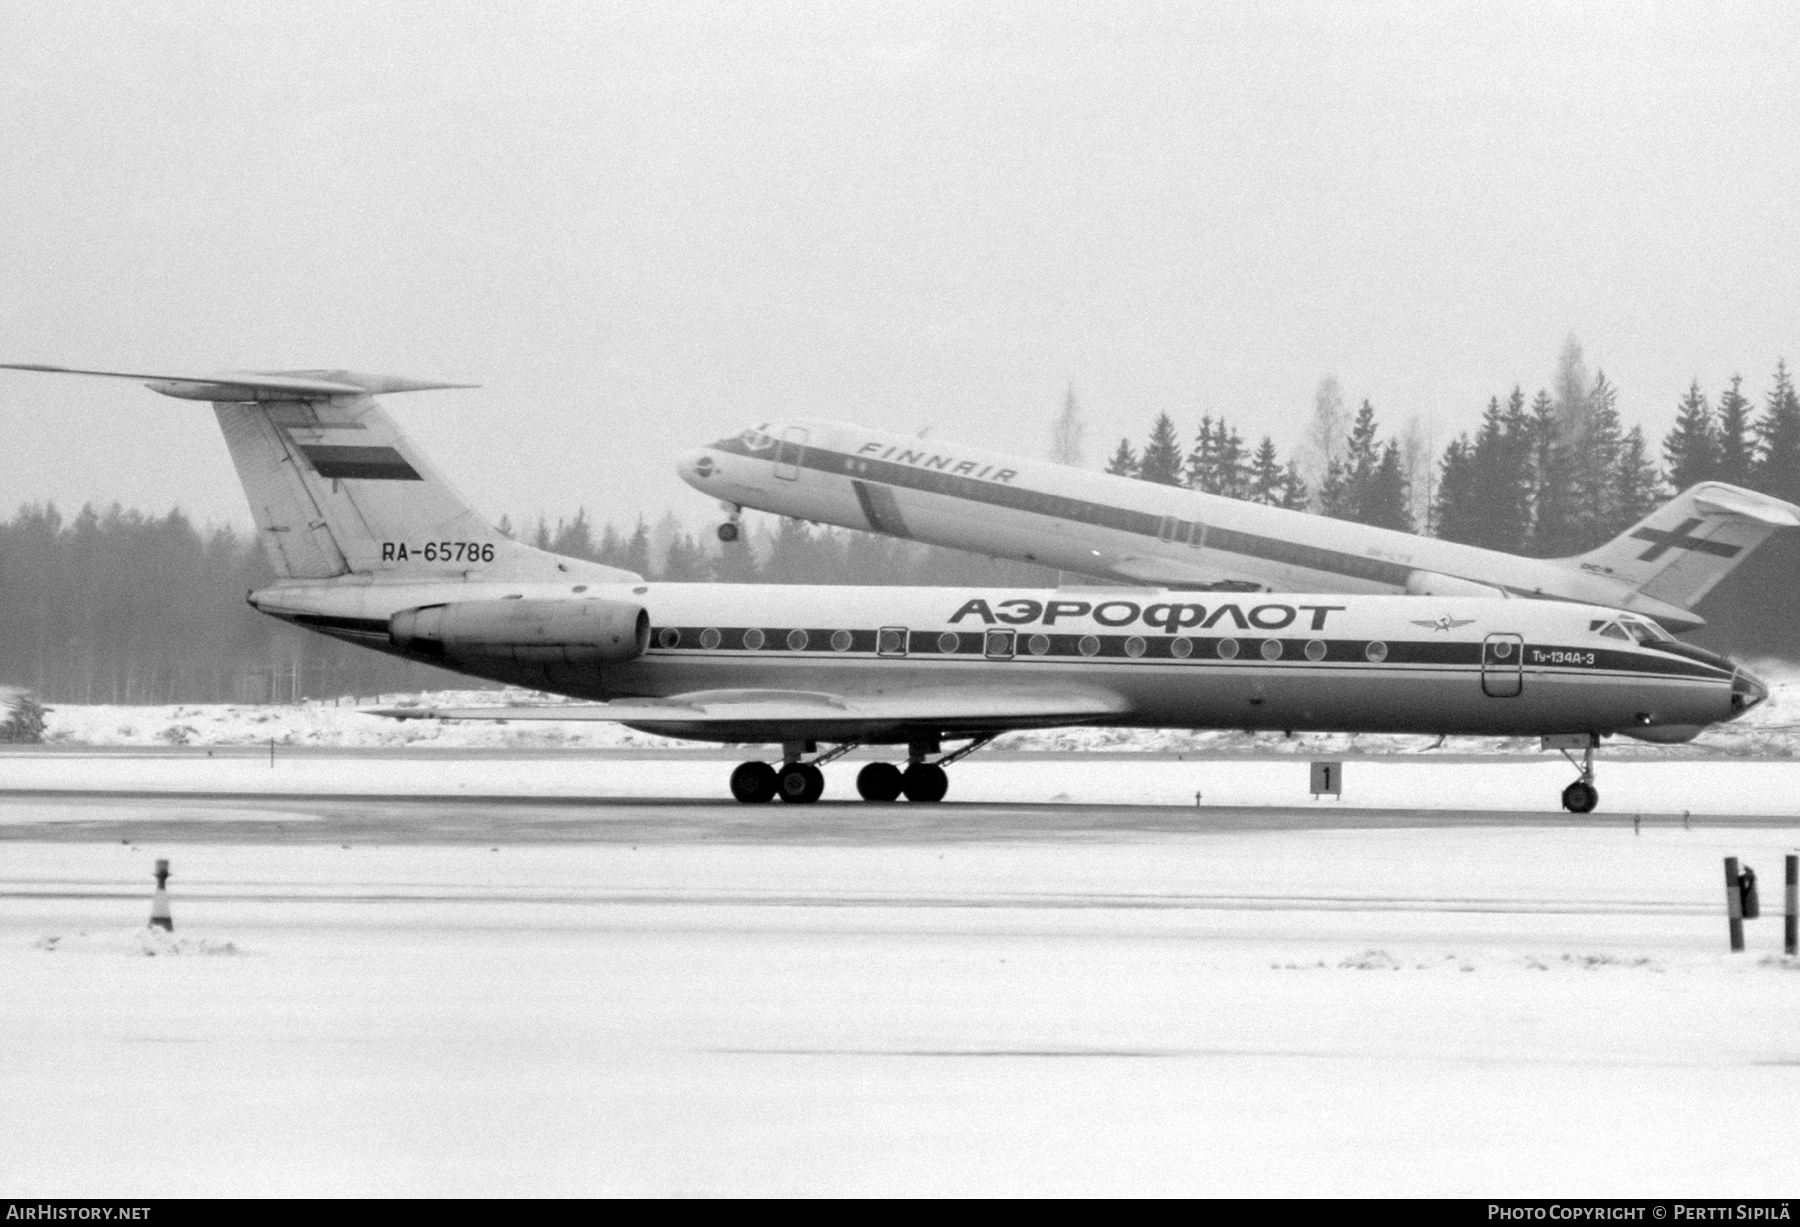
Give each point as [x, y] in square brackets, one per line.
[730, 530]
[1580, 797]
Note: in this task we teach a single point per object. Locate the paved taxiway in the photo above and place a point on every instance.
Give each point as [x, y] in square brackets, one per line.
[490, 994]
[147, 817]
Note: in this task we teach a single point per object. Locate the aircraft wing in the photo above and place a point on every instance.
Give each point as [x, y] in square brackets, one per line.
[786, 715]
[1151, 569]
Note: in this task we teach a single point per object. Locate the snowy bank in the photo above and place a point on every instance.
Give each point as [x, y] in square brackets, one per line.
[1770, 731]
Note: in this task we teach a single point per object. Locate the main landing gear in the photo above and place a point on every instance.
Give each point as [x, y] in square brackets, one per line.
[730, 530]
[802, 782]
[1580, 797]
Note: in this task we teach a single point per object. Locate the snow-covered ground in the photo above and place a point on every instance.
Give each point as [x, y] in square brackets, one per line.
[1493, 1012]
[1532, 1011]
[1770, 731]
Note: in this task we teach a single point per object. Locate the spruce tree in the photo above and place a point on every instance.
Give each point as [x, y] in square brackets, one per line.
[1124, 462]
[1595, 469]
[1337, 497]
[575, 538]
[1294, 494]
[1691, 449]
[1161, 461]
[1638, 489]
[1736, 436]
[1265, 482]
[1200, 460]
[1777, 468]
[1231, 472]
[1456, 513]
[1553, 490]
[1386, 500]
[685, 561]
[1499, 500]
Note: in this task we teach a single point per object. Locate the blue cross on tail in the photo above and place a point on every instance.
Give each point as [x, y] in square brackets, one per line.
[1678, 539]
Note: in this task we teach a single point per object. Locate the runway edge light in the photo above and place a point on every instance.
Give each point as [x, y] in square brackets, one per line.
[159, 902]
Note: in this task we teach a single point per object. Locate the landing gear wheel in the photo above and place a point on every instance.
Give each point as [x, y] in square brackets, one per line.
[1580, 797]
[879, 782]
[753, 782]
[800, 783]
[926, 782]
[728, 531]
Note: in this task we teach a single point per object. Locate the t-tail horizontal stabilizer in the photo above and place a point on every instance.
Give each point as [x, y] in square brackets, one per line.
[337, 489]
[256, 385]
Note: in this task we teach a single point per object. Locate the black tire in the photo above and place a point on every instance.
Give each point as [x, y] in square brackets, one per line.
[1580, 797]
[800, 783]
[879, 782]
[925, 782]
[728, 532]
[753, 783]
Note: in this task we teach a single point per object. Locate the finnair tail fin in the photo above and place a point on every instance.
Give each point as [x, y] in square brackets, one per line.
[1678, 552]
[336, 488]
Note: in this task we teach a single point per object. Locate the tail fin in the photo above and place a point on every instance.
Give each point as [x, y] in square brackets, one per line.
[337, 489]
[1678, 552]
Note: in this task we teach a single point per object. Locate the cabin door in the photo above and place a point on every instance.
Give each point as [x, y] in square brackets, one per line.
[1503, 666]
[788, 453]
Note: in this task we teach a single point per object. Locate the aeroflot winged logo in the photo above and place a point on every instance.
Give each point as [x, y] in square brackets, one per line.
[1169, 617]
[1445, 623]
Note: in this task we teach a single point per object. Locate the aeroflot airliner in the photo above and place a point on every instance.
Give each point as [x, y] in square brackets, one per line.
[373, 547]
[1120, 528]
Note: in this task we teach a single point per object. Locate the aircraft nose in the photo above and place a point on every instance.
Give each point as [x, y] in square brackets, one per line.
[1746, 691]
[696, 467]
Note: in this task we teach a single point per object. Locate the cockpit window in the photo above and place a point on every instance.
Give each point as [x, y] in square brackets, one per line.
[1612, 630]
[755, 440]
[1646, 632]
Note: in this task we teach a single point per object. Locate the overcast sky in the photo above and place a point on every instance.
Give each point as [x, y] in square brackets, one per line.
[644, 226]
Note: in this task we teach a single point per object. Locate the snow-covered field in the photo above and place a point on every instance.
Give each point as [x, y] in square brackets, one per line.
[1511, 1012]
[1770, 731]
[879, 1006]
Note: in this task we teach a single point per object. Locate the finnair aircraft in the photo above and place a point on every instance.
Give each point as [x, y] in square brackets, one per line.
[1140, 532]
[372, 546]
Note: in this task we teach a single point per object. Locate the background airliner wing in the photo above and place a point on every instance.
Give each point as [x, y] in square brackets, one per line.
[1150, 569]
[779, 715]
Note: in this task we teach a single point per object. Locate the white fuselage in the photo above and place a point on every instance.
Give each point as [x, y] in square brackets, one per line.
[1110, 527]
[1160, 658]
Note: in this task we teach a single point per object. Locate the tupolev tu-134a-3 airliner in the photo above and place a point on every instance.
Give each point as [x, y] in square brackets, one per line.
[372, 546]
[1123, 529]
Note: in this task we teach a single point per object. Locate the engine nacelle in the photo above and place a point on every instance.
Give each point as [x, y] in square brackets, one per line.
[525, 632]
[1430, 583]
